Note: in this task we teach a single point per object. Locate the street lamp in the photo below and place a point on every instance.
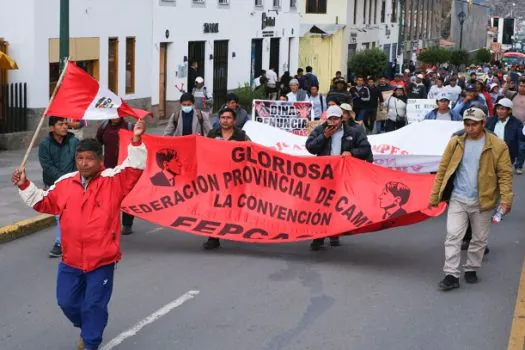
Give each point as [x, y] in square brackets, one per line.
[64, 32]
[461, 18]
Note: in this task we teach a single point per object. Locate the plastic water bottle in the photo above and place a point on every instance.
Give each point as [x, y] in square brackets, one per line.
[498, 216]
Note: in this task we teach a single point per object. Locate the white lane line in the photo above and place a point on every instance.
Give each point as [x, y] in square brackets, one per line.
[150, 319]
[155, 230]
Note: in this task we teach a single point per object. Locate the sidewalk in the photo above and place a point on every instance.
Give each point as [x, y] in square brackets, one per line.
[17, 219]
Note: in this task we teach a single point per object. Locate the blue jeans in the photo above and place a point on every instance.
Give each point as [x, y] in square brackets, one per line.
[84, 298]
[521, 156]
[57, 231]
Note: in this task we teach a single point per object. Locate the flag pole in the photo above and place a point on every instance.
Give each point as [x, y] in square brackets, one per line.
[41, 122]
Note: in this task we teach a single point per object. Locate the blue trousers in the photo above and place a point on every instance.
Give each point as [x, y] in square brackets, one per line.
[84, 298]
[57, 231]
[521, 156]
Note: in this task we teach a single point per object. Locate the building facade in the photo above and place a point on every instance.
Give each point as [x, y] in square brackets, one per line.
[343, 27]
[142, 50]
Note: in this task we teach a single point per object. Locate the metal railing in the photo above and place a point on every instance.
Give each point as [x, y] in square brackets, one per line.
[13, 108]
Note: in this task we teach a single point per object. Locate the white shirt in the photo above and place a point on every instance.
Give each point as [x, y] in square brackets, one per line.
[292, 97]
[318, 107]
[395, 107]
[453, 93]
[499, 129]
[435, 91]
[272, 78]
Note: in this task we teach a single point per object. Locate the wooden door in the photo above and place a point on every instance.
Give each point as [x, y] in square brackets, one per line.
[162, 80]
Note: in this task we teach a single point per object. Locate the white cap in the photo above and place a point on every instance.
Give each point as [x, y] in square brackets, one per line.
[407, 70]
[346, 107]
[199, 80]
[420, 76]
[443, 96]
[492, 86]
[505, 102]
[334, 111]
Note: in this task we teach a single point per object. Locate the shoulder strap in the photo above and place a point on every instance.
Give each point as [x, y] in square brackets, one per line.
[176, 116]
[201, 121]
[104, 124]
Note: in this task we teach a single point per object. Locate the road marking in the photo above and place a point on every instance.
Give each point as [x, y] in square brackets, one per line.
[155, 230]
[517, 332]
[150, 319]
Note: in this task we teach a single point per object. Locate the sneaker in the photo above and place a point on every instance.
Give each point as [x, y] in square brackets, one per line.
[487, 250]
[334, 242]
[519, 171]
[126, 230]
[80, 345]
[471, 277]
[56, 251]
[211, 243]
[464, 245]
[317, 244]
[448, 283]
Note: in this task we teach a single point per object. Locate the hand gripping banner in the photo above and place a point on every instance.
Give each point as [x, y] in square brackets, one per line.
[246, 192]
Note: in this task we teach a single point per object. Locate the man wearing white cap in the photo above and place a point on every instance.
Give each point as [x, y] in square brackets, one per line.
[417, 89]
[507, 127]
[475, 174]
[334, 138]
[453, 90]
[443, 111]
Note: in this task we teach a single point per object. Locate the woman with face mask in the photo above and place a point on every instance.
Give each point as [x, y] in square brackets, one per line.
[188, 120]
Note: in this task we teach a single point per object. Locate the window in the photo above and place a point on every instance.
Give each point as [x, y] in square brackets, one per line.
[130, 65]
[276, 3]
[167, 2]
[259, 3]
[113, 65]
[383, 11]
[293, 4]
[370, 12]
[394, 11]
[375, 12]
[224, 2]
[199, 1]
[355, 11]
[316, 6]
[364, 12]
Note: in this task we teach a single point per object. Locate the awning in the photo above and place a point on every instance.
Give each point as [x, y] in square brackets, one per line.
[320, 29]
[7, 62]
[446, 43]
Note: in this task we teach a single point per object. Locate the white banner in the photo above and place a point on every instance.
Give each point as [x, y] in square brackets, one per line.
[416, 148]
[417, 109]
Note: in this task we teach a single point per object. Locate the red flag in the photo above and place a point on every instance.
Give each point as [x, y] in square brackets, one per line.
[246, 192]
[80, 96]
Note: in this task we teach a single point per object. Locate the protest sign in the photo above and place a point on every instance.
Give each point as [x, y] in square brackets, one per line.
[246, 192]
[289, 116]
[417, 109]
[416, 148]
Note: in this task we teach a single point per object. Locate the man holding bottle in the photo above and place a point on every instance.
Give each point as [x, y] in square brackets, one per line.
[474, 174]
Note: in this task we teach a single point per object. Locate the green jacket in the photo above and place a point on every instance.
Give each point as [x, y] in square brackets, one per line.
[57, 159]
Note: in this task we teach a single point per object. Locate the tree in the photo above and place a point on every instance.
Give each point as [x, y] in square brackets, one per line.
[369, 62]
[459, 57]
[482, 56]
[434, 56]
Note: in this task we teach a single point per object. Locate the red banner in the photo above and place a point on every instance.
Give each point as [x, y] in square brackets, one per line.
[246, 192]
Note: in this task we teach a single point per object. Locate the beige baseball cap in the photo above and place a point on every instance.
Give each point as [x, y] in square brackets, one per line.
[346, 107]
[475, 114]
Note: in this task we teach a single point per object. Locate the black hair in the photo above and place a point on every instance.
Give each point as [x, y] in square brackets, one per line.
[309, 69]
[187, 97]
[360, 77]
[400, 190]
[232, 97]
[334, 99]
[314, 85]
[54, 120]
[300, 70]
[441, 78]
[226, 110]
[90, 145]
[286, 97]
[338, 72]
[165, 155]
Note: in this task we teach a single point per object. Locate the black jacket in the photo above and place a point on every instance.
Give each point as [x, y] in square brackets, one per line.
[360, 97]
[57, 159]
[376, 97]
[417, 91]
[238, 134]
[354, 141]
[513, 134]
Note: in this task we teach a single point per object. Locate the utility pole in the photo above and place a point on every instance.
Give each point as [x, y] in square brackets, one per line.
[64, 33]
[461, 18]
[401, 37]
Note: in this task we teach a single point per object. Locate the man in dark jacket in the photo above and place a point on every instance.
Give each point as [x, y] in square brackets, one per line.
[417, 90]
[334, 138]
[232, 102]
[507, 127]
[340, 92]
[107, 135]
[360, 98]
[227, 131]
[376, 101]
[56, 154]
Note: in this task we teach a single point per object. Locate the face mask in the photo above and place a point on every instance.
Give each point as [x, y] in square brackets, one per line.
[187, 109]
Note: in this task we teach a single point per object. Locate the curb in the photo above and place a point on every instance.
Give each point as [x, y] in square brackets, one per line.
[25, 227]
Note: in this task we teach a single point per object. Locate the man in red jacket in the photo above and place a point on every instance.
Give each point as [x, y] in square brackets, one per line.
[88, 203]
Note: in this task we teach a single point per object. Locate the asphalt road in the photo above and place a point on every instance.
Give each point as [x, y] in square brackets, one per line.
[377, 291]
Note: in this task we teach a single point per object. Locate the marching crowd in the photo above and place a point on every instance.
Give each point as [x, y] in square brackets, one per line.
[85, 186]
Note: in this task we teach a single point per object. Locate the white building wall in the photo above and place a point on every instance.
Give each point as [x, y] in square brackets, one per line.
[239, 23]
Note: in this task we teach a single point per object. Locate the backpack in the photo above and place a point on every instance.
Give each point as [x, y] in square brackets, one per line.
[199, 116]
[308, 82]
